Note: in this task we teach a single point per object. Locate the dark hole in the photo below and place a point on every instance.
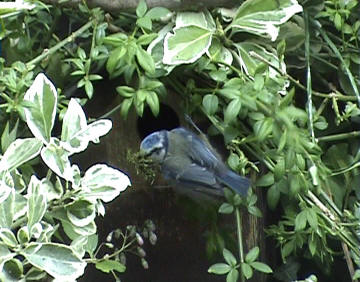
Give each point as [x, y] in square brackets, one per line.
[148, 123]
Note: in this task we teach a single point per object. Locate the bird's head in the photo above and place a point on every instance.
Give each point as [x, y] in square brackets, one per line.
[155, 146]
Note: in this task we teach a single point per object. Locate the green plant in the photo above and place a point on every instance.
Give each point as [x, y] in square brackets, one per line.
[47, 224]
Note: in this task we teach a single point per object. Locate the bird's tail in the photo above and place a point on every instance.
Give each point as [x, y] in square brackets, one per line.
[236, 182]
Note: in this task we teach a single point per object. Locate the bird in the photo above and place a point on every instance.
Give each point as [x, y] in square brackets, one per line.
[190, 164]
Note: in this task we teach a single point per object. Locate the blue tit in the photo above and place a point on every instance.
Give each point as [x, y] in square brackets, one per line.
[187, 162]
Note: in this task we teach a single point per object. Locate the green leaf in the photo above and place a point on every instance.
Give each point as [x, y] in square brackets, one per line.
[186, 45]
[114, 59]
[41, 107]
[262, 267]
[116, 39]
[210, 103]
[102, 182]
[356, 275]
[108, 265]
[219, 268]
[145, 60]
[226, 208]
[229, 257]
[144, 22]
[141, 9]
[125, 106]
[265, 180]
[13, 270]
[218, 53]
[8, 136]
[273, 196]
[89, 89]
[312, 245]
[57, 260]
[246, 270]
[300, 220]
[312, 218]
[232, 276]
[252, 255]
[157, 13]
[146, 39]
[287, 249]
[232, 110]
[19, 152]
[263, 18]
[125, 91]
[36, 203]
[153, 101]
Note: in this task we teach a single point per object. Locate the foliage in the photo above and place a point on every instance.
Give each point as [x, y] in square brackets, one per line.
[278, 79]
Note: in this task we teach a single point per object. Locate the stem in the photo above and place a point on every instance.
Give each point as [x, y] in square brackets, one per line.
[240, 241]
[339, 136]
[59, 45]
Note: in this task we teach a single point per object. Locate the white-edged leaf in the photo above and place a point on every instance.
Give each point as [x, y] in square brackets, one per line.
[40, 108]
[36, 203]
[19, 152]
[7, 209]
[58, 260]
[263, 17]
[57, 159]
[79, 141]
[202, 20]
[103, 182]
[81, 213]
[74, 121]
[186, 44]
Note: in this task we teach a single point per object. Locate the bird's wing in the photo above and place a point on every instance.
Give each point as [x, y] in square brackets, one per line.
[190, 175]
[199, 151]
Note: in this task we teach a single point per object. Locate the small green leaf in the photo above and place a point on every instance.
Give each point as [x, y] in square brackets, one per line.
[273, 196]
[210, 103]
[262, 267]
[287, 249]
[246, 270]
[153, 101]
[232, 110]
[312, 245]
[125, 106]
[145, 60]
[125, 91]
[144, 22]
[312, 218]
[114, 58]
[300, 220]
[232, 276]
[226, 208]
[110, 265]
[157, 13]
[356, 275]
[146, 39]
[229, 257]
[219, 268]
[141, 9]
[252, 255]
[265, 180]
